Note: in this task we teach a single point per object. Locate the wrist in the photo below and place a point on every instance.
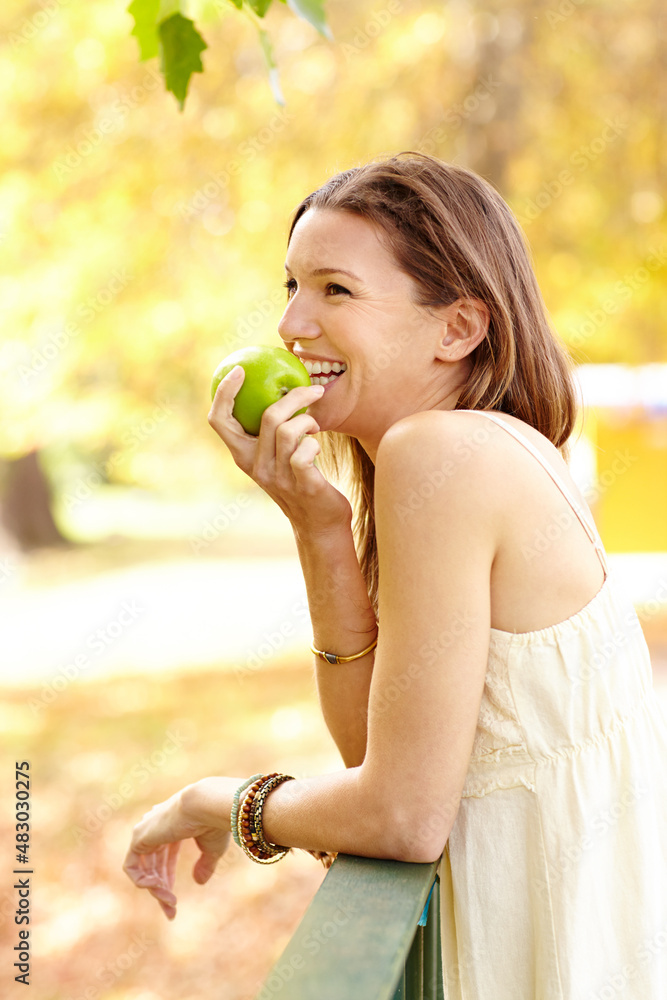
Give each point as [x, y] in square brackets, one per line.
[331, 536]
[208, 802]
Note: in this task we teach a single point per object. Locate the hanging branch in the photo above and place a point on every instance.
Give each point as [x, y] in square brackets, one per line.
[161, 30]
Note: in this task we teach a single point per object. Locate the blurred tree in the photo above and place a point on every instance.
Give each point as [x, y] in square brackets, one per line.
[138, 246]
[26, 509]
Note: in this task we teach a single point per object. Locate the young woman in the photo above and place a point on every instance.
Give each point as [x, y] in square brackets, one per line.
[502, 716]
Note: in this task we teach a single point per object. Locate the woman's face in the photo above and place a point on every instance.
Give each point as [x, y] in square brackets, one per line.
[349, 303]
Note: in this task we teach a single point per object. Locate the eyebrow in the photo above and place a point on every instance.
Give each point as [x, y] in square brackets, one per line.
[319, 271]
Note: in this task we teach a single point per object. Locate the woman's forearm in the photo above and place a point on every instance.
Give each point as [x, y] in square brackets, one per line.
[343, 622]
[337, 812]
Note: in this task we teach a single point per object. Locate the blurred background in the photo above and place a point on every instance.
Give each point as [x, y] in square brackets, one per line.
[154, 624]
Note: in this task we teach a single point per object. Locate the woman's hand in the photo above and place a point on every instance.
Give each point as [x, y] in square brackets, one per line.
[200, 812]
[281, 459]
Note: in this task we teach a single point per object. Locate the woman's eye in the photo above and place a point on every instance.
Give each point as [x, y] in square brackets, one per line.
[331, 289]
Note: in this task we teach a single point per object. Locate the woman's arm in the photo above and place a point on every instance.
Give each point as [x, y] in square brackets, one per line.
[281, 461]
[427, 683]
[431, 659]
[343, 622]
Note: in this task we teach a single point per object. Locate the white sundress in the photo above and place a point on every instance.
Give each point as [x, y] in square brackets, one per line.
[553, 883]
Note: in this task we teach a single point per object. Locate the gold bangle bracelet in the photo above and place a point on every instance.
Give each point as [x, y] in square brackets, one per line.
[332, 658]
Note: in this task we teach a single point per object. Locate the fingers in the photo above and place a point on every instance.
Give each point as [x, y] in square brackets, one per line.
[168, 909]
[220, 415]
[279, 416]
[227, 390]
[155, 872]
[166, 896]
[280, 432]
[302, 462]
[150, 834]
[151, 860]
[287, 405]
[166, 899]
[171, 857]
[247, 448]
[145, 870]
[288, 436]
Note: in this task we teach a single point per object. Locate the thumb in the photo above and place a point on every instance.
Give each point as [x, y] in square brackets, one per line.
[204, 867]
[212, 848]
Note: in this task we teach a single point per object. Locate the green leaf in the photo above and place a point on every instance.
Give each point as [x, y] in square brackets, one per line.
[237, 3]
[167, 8]
[180, 48]
[313, 12]
[274, 79]
[260, 7]
[145, 14]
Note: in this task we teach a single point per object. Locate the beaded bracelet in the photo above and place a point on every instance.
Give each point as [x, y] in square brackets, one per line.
[326, 857]
[245, 800]
[243, 830]
[254, 834]
[254, 843]
[256, 815]
[249, 828]
[235, 807]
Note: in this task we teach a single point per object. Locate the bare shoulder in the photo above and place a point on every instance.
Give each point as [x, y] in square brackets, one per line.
[468, 448]
[457, 444]
[519, 460]
[441, 467]
[469, 431]
[444, 474]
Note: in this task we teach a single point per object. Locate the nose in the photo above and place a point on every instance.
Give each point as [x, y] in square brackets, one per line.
[296, 324]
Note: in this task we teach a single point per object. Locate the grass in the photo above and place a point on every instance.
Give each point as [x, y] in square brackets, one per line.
[103, 752]
[101, 755]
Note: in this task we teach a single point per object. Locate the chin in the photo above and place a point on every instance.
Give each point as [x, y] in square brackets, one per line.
[330, 418]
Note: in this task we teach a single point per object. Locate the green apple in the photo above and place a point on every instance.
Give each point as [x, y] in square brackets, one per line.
[270, 372]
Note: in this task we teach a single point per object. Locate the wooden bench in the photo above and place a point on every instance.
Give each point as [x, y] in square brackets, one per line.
[360, 938]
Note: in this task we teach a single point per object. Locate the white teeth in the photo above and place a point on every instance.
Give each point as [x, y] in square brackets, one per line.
[324, 367]
[324, 380]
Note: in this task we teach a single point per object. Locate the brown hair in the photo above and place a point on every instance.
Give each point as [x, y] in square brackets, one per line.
[451, 231]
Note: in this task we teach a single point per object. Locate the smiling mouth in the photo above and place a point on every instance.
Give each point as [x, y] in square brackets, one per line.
[324, 372]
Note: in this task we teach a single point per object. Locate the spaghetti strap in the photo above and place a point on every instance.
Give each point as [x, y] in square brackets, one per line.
[588, 525]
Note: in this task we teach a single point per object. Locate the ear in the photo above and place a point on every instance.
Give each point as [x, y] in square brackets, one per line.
[465, 325]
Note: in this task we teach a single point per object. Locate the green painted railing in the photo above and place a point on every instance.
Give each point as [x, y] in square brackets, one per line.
[360, 938]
